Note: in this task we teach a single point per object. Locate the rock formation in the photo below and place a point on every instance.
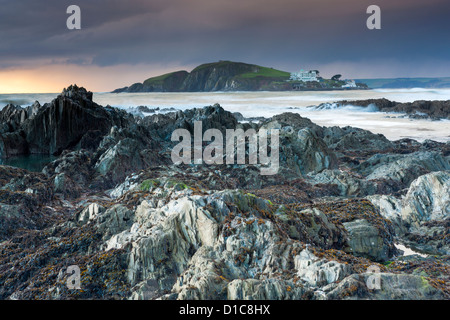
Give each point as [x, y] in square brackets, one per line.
[140, 227]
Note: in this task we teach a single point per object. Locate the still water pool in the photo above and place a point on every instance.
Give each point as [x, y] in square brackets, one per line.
[32, 162]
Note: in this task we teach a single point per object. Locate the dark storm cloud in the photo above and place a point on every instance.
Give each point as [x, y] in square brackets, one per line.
[276, 33]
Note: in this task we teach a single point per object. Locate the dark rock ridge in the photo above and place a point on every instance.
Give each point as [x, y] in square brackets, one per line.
[140, 227]
[420, 109]
[70, 119]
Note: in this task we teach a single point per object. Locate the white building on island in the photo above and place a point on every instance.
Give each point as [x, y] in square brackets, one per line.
[349, 84]
[305, 76]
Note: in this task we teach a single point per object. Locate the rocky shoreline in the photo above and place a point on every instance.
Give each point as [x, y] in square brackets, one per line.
[140, 227]
[421, 109]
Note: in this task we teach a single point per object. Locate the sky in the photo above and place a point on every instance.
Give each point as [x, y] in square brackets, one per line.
[123, 42]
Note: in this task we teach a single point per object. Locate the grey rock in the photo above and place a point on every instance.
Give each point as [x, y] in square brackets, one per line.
[271, 289]
[392, 287]
[390, 208]
[365, 241]
[301, 148]
[428, 198]
[349, 184]
[403, 168]
[319, 272]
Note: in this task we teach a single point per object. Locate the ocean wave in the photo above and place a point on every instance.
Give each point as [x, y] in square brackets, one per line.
[411, 94]
[347, 107]
[15, 101]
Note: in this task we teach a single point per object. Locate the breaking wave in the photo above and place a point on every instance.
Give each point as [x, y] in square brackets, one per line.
[347, 107]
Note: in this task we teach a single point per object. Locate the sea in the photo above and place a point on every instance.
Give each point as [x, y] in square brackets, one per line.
[266, 104]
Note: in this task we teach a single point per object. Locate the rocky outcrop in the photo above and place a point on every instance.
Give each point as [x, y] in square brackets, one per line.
[365, 241]
[140, 227]
[422, 215]
[390, 208]
[62, 123]
[420, 109]
[302, 150]
[348, 183]
[392, 287]
[319, 272]
[349, 138]
[428, 199]
[57, 126]
[12, 117]
[402, 168]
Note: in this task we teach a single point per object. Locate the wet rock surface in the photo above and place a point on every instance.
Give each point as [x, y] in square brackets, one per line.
[140, 227]
[421, 109]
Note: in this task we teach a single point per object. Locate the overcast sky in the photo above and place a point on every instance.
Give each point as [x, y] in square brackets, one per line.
[122, 42]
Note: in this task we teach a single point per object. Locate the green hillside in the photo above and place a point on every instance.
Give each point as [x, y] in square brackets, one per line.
[158, 80]
[266, 72]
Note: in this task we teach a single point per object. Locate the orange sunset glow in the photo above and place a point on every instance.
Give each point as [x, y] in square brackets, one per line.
[53, 78]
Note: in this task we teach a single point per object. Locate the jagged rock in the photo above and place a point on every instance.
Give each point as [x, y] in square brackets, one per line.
[376, 104]
[393, 287]
[70, 173]
[348, 184]
[183, 246]
[350, 138]
[12, 144]
[319, 272]
[402, 168]
[313, 227]
[390, 208]
[212, 117]
[122, 152]
[63, 184]
[420, 109]
[271, 289]
[366, 241]
[114, 220]
[141, 227]
[422, 214]
[69, 120]
[148, 290]
[203, 279]
[109, 222]
[426, 212]
[12, 116]
[301, 149]
[428, 198]
[120, 159]
[89, 213]
[63, 122]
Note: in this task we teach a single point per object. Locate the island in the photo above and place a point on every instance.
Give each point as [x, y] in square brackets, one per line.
[239, 76]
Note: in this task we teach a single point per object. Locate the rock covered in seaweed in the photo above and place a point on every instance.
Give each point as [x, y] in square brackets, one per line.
[140, 227]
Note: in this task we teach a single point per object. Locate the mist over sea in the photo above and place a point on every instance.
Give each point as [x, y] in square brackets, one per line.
[267, 104]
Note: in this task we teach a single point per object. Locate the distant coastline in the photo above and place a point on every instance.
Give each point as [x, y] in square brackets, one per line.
[407, 83]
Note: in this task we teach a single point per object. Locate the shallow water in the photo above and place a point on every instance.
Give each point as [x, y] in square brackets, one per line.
[33, 162]
[267, 104]
[408, 251]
